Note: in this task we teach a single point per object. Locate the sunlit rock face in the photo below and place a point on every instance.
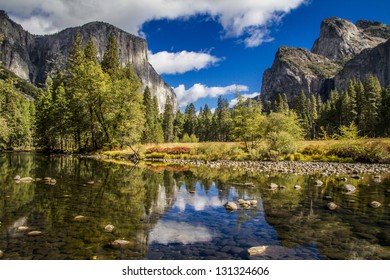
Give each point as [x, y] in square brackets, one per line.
[342, 51]
[31, 57]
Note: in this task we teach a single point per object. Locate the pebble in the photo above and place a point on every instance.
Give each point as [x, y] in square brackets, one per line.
[375, 204]
[257, 251]
[273, 186]
[332, 206]
[297, 187]
[1, 254]
[109, 228]
[35, 233]
[319, 183]
[23, 228]
[17, 177]
[120, 242]
[79, 218]
[26, 179]
[90, 182]
[348, 188]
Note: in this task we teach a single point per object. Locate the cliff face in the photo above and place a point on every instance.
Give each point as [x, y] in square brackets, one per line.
[296, 69]
[343, 51]
[30, 56]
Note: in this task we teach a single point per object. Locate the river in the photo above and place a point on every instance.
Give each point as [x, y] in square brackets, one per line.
[176, 212]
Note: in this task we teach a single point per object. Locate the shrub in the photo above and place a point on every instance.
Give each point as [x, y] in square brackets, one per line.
[282, 142]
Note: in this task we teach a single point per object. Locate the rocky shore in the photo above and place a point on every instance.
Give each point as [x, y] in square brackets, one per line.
[294, 167]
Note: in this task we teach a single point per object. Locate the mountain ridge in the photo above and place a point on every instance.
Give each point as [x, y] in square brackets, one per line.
[29, 56]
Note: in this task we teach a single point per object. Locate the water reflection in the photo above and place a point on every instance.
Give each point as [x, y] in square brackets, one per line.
[179, 214]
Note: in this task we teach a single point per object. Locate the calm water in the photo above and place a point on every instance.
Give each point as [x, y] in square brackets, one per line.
[178, 213]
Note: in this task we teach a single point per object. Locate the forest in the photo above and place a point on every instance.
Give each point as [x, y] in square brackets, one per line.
[90, 105]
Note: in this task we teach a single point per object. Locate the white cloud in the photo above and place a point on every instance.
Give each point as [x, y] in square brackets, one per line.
[245, 19]
[181, 62]
[198, 91]
[234, 101]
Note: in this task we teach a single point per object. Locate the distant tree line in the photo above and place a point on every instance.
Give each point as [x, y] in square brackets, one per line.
[89, 105]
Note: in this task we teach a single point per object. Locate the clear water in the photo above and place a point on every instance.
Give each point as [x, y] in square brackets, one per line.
[178, 213]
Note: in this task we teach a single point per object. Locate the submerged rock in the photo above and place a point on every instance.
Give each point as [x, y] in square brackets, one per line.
[319, 183]
[230, 206]
[253, 202]
[109, 228]
[375, 204]
[35, 233]
[348, 188]
[332, 206]
[120, 243]
[79, 218]
[23, 228]
[256, 251]
[26, 179]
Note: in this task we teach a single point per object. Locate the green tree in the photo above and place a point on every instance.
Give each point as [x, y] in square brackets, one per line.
[371, 105]
[178, 125]
[168, 119]
[153, 130]
[247, 121]
[110, 62]
[190, 120]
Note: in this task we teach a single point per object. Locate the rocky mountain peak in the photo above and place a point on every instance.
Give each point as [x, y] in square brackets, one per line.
[29, 56]
[340, 39]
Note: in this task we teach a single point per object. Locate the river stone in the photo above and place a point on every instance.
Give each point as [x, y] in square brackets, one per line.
[109, 228]
[79, 218]
[319, 183]
[90, 182]
[375, 204]
[26, 179]
[348, 188]
[257, 251]
[297, 187]
[240, 201]
[23, 228]
[332, 206]
[17, 178]
[230, 206]
[1, 254]
[253, 202]
[273, 186]
[120, 242]
[34, 233]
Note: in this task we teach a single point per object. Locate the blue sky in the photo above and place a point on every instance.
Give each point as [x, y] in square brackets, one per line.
[203, 48]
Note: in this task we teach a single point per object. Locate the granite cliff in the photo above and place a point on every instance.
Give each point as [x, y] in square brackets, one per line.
[343, 51]
[29, 56]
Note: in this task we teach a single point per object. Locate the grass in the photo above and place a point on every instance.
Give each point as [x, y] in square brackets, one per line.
[362, 150]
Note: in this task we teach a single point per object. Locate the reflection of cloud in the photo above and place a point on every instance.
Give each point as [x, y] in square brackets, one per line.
[174, 232]
[197, 201]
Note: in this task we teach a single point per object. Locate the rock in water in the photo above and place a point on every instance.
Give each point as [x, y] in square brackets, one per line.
[332, 206]
[1, 254]
[79, 218]
[109, 228]
[230, 206]
[35, 233]
[297, 187]
[273, 186]
[23, 228]
[319, 183]
[26, 179]
[253, 202]
[348, 188]
[17, 178]
[120, 243]
[375, 204]
[257, 251]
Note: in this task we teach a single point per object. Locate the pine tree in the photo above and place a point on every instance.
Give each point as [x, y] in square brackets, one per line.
[371, 105]
[222, 121]
[384, 125]
[168, 119]
[190, 119]
[281, 104]
[178, 126]
[110, 62]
